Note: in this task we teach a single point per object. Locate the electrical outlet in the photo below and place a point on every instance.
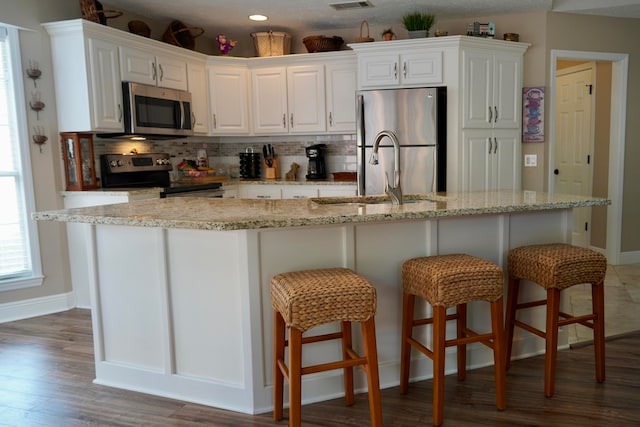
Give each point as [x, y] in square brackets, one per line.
[530, 160]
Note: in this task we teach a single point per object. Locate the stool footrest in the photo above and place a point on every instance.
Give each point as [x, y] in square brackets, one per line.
[333, 365]
[429, 321]
[583, 320]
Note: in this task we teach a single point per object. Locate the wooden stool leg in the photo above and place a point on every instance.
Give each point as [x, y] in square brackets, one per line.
[347, 343]
[278, 357]
[461, 324]
[439, 336]
[597, 296]
[551, 333]
[499, 360]
[295, 377]
[408, 304]
[512, 302]
[373, 380]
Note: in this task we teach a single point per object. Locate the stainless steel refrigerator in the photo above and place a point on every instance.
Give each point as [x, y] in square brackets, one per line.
[417, 117]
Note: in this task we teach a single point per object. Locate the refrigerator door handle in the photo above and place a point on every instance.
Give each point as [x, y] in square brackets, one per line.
[360, 141]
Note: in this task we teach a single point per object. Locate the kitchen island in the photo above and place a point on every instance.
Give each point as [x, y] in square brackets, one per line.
[180, 286]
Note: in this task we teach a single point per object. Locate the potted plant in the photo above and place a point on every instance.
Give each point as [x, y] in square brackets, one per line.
[388, 34]
[418, 24]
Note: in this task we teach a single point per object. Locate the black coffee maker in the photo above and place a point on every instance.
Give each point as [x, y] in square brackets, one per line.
[317, 168]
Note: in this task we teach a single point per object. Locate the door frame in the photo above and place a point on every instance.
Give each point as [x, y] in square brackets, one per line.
[620, 68]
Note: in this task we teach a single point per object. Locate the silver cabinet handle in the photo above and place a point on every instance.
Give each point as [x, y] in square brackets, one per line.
[154, 73]
[495, 118]
[495, 145]
[490, 145]
[193, 120]
[404, 70]
[215, 121]
[161, 72]
[291, 120]
[395, 70]
[284, 120]
[330, 119]
[490, 114]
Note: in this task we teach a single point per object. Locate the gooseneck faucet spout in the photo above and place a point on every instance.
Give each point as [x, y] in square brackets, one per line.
[393, 190]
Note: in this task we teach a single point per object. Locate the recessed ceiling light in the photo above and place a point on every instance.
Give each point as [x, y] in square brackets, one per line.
[258, 17]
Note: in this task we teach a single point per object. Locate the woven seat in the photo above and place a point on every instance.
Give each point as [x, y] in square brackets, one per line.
[305, 299]
[556, 267]
[451, 281]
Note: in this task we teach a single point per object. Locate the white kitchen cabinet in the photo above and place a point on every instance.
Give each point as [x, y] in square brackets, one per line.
[491, 89]
[259, 191]
[407, 68]
[288, 99]
[86, 77]
[197, 83]
[337, 190]
[340, 86]
[491, 160]
[152, 68]
[228, 99]
[230, 191]
[299, 191]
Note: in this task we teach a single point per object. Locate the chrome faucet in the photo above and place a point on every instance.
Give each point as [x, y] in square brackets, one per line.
[392, 190]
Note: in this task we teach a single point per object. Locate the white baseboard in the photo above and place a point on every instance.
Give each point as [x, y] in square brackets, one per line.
[36, 307]
[630, 257]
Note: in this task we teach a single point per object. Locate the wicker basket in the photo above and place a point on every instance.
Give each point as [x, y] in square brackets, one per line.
[271, 43]
[367, 38]
[322, 43]
[140, 28]
[92, 11]
[180, 35]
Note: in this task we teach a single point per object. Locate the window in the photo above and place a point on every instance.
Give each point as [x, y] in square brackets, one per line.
[19, 252]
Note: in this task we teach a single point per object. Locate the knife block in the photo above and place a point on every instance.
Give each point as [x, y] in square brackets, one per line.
[271, 172]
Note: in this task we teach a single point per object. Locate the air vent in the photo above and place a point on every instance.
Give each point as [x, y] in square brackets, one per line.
[351, 5]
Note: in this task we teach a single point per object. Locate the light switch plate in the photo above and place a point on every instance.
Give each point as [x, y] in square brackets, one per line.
[530, 160]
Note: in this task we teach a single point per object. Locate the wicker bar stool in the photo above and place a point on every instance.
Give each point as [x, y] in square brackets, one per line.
[447, 281]
[304, 299]
[556, 267]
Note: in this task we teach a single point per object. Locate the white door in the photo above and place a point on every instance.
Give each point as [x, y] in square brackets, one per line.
[229, 101]
[477, 160]
[269, 96]
[306, 99]
[106, 90]
[197, 80]
[575, 94]
[340, 81]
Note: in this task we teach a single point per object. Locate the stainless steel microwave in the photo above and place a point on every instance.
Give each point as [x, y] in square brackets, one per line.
[152, 110]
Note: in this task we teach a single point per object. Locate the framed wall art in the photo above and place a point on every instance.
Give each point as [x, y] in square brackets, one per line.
[533, 114]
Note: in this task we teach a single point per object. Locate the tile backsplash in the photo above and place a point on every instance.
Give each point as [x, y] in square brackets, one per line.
[223, 152]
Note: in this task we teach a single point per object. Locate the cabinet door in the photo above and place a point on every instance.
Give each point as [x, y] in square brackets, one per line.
[421, 68]
[197, 80]
[476, 160]
[260, 191]
[138, 66]
[171, 73]
[305, 98]
[269, 95]
[477, 89]
[507, 91]
[378, 70]
[337, 191]
[228, 97]
[506, 160]
[340, 81]
[106, 90]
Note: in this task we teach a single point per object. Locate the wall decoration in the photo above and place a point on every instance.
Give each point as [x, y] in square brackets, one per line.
[533, 114]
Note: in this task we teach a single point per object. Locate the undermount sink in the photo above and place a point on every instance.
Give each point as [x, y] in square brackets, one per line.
[377, 200]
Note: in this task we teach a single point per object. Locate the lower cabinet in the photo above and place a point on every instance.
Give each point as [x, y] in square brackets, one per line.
[490, 160]
[294, 191]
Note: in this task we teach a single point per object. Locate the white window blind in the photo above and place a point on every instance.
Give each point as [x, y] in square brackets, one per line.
[18, 243]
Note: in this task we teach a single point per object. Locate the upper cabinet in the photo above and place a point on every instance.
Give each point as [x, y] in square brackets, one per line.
[340, 85]
[288, 99]
[308, 94]
[86, 77]
[229, 99]
[152, 68]
[492, 89]
[400, 69]
[197, 81]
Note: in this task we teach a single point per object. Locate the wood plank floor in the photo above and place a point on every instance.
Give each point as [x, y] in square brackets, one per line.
[46, 369]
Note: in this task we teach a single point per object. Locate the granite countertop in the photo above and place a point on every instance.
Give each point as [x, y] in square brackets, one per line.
[241, 214]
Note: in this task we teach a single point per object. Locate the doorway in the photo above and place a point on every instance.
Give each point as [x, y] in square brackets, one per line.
[619, 72]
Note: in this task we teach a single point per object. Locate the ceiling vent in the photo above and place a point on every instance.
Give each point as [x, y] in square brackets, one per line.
[351, 5]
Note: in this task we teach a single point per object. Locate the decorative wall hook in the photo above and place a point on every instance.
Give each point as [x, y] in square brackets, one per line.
[38, 136]
[34, 72]
[35, 104]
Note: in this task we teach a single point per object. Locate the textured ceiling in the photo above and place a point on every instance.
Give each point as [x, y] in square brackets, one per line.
[300, 16]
